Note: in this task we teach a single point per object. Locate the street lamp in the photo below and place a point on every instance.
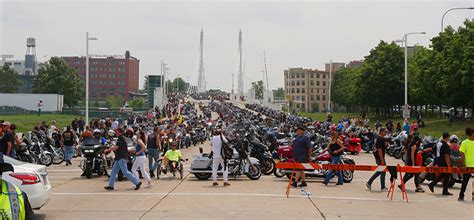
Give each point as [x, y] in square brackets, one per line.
[452, 9]
[87, 74]
[405, 41]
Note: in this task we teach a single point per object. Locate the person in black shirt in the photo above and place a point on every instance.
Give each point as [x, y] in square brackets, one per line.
[7, 141]
[443, 161]
[379, 154]
[121, 156]
[302, 153]
[410, 155]
[335, 148]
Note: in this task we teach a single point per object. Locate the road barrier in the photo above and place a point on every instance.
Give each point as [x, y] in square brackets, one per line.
[392, 169]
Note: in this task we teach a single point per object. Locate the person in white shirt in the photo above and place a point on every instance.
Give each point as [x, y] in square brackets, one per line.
[115, 124]
[40, 105]
[216, 144]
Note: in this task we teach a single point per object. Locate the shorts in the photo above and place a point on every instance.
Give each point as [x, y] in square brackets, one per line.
[301, 160]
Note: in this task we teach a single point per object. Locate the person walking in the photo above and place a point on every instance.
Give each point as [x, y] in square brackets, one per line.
[467, 154]
[302, 150]
[40, 106]
[410, 155]
[153, 147]
[140, 158]
[216, 143]
[121, 156]
[335, 148]
[68, 139]
[14, 203]
[379, 154]
[443, 160]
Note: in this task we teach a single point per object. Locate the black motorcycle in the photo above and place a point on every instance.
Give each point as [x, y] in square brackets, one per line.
[92, 162]
[261, 152]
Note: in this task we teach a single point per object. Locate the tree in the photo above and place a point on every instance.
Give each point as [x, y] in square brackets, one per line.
[114, 101]
[56, 77]
[9, 82]
[145, 84]
[258, 87]
[136, 103]
[177, 84]
[344, 90]
[279, 94]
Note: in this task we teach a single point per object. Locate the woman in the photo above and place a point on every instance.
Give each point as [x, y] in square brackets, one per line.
[140, 158]
[410, 155]
[335, 148]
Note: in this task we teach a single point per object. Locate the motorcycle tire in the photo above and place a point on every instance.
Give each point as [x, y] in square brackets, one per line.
[181, 173]
[254, 174]
[278, 173]
[268, 166]
[58, 158]
[347, 176]
[202, 176]
[88, 173]
[46, 159]
[32, 159]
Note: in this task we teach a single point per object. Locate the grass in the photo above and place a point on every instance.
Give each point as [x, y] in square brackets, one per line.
[433, 126]
[26, 123]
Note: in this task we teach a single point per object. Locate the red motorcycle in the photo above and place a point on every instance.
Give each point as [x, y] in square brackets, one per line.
[351, 144]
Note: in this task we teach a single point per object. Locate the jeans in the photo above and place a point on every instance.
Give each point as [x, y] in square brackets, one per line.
[215, 165]
[153, 156]
[68, 152]
[368, 145]
[377, 174]
[340, 180]
[465, 181]
[122, 165]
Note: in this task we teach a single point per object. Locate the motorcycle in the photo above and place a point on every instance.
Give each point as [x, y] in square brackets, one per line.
[240, 163]
[92, 162]
[43, 156]
[260, 151]
[23, 154]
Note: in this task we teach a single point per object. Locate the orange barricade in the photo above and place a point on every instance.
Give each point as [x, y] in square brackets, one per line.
[392, 169]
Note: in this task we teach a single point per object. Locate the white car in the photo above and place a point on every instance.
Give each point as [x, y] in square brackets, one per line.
[31, 179]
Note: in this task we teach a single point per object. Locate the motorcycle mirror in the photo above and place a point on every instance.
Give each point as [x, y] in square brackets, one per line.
[201, 150]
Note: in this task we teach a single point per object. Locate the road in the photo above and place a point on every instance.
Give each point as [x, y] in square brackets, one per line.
[76, 197]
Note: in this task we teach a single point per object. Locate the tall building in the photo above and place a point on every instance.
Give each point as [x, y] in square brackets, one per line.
[335, 66]
[154, 81]
[108, 75]
[307, 89]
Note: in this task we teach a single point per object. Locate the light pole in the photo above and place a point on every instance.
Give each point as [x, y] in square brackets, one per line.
[330, 81]
[405, 40]
[87, 74]
[452, 9]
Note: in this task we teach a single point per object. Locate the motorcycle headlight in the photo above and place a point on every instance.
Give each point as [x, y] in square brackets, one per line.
[89, 151]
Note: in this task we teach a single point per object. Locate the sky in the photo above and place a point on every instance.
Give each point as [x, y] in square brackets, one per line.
[293, 34]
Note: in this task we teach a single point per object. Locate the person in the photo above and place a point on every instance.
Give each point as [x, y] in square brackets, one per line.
[81, 123]
[172, 157]
[7, 141]
[410, 155]
[68, 139]
[140, 158]
[379, 154]
[121, 156]
[389, 126]
[336, 149]
[153, 148]
[443, 160]
[74, 125]
[399, 128]
[14, 203]
[453, 143]
[329, 117]
[467, 154]
[40, 105]
[406, 126]
[302, 153]
[217, 159]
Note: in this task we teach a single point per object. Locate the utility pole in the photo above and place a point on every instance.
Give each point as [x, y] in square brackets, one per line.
[330, 81]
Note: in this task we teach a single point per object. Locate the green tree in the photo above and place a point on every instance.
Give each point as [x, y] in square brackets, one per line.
[177, 84]
[344, 90]
[258, 87]
[145, 84]
[9, 82]
[56, 77]
[279, 94]
[136, 103]
[114, 101]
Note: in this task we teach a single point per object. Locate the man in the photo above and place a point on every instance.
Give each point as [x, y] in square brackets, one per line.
[302, 153]
[68, 139]
[40, 105]
[153, 148]
[121, 156]
[74, 125]
[379, 154]
[216, 144]
[81, 123]
[7, 141]
[14, 203]
[171, 158]
[467, 152]
[443, 160]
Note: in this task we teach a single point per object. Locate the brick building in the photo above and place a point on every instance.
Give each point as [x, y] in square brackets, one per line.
[108, 75]
[308, 89]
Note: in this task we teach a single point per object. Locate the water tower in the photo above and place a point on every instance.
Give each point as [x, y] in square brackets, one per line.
[30, 56]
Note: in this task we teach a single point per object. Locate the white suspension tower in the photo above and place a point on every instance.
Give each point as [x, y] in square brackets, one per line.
[240, 76]
[201, 87]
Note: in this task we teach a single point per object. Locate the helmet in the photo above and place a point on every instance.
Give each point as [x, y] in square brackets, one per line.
[111, 133]
[87, 134]
[453, 138]
[97, 131]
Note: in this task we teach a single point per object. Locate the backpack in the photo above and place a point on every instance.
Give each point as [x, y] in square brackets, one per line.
[226, 151]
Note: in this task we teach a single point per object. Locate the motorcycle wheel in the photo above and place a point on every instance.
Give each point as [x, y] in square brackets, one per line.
[32, 159]
[181, 174]
[202, 176]
[268, 166]
[76, 153]
[254, 174]
[58, 158]
[88, 172]
[347, 176]
[278, 173]
[46, 159]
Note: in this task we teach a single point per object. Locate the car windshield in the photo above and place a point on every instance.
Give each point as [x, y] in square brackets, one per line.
[12, 161]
